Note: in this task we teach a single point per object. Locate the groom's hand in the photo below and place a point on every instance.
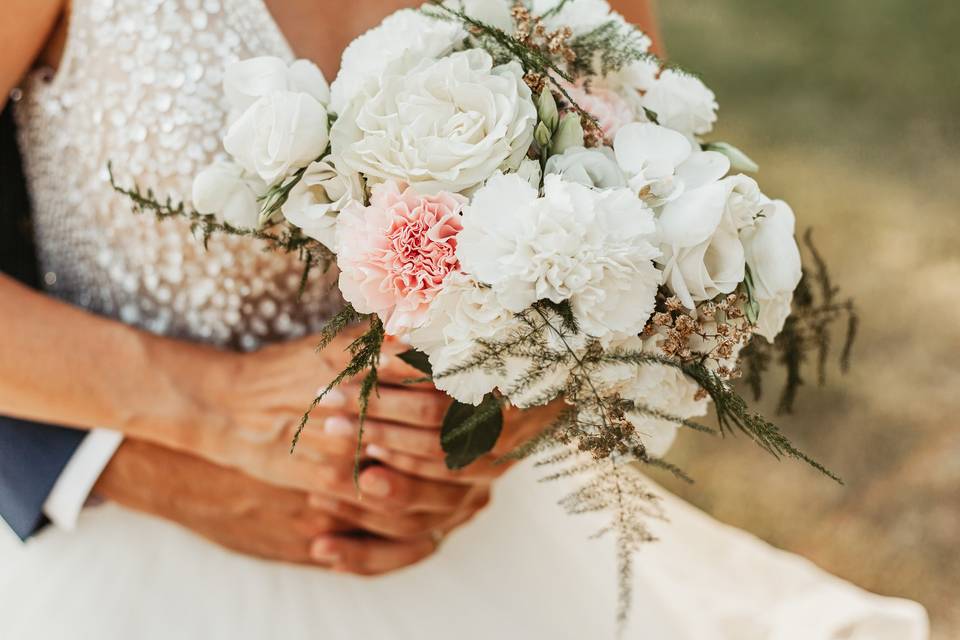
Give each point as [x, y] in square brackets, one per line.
[245, 514]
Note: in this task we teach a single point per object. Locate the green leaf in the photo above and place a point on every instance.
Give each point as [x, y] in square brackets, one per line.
[739, 161]
[753, 307]
[418, 360]
[471, 431]
[651, 115]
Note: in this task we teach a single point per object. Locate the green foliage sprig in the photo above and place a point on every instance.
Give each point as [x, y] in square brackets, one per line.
[609, 47]
[276, 235]
[364, 359]
[817, 311]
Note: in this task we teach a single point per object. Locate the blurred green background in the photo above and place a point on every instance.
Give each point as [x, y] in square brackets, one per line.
[852, 109]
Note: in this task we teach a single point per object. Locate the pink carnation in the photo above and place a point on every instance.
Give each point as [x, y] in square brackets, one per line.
[395, 254]
[608, 107]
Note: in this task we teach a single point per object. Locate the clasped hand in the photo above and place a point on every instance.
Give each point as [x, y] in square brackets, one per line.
[236, 482]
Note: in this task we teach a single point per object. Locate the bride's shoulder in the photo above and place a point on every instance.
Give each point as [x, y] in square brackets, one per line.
[30, 31]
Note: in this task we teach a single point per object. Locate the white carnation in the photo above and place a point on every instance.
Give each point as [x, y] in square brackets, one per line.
[658, 387]
[682, 103]
[574, 243]
[462, 313]
[445, 125]
[405, 37]
[315, 201]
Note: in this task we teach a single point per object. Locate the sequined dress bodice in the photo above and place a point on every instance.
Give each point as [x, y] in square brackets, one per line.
[140, 86]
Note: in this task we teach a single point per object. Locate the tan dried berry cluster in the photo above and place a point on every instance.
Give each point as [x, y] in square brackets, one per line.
[713, 336]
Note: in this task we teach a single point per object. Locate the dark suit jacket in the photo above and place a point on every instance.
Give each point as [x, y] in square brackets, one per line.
[32, 455]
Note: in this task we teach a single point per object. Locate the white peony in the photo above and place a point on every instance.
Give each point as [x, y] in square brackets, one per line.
[446, 125]
[590, 167]
[224, 190]
[247, 81]
[774, 260]
[315, 201]
[279, 133]
[406, 37]
[682, 103]
[699, 235]
[462, 313]
[574, 243]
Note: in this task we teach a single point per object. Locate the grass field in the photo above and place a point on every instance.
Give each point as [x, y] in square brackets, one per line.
[852, 109]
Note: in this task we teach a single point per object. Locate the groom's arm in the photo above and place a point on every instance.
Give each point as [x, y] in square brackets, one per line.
[32, 457]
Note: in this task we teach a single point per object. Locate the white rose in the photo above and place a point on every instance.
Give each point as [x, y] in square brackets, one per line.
[589, 167]
[682, 103]
[575, 243]
[281, 132]
[247, 81]
[405, 37]
[225, 191]
[315, 201]
[774, 260]
[699, 234]
[445, 125]
[461, 314]
[661, 164]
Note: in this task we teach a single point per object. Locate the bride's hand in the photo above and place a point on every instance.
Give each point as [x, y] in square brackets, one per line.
[249, 516]
[260, 401]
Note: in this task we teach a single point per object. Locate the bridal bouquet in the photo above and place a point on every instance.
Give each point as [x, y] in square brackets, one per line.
[523, 194]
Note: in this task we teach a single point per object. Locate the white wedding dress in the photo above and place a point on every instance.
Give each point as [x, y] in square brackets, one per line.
[140, 86]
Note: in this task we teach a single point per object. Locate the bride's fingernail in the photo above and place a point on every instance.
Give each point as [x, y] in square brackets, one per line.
[375, 484]
[333, 399]
[324, 551]
[376, 451]
[339, 426]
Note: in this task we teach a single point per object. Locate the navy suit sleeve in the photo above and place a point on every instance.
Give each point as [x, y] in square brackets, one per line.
[32, 456]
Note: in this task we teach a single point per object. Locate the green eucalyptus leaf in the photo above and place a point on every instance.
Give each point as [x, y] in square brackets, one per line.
[418, 360]
[651, 115]
[471, 431]
[739, 161]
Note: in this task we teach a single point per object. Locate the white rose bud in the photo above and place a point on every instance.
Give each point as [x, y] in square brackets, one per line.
[278, 134]
[315, 201]
[222, 189]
